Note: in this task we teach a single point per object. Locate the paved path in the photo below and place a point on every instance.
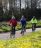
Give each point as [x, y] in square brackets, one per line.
[7, 35]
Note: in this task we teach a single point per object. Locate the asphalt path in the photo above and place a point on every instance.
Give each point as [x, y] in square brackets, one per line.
[17, 35]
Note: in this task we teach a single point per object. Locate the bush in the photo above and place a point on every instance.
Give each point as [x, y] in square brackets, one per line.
[5, 27]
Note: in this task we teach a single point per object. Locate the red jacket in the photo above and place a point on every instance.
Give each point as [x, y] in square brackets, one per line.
[13, 22]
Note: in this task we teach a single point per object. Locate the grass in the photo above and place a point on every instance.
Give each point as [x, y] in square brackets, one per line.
[5, 28]
[32, 40]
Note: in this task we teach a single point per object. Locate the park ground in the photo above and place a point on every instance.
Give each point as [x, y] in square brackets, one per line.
[29, 40]
[17, 35]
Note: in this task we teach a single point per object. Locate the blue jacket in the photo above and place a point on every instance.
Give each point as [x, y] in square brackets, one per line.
[23, 21]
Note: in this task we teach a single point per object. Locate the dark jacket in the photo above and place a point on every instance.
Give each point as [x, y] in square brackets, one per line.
[23, 21]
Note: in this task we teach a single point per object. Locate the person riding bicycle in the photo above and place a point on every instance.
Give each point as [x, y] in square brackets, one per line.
[13, 23]
[23, 23]
[34, 22]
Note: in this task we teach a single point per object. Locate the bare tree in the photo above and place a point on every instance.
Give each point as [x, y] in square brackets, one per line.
[26, 3]
[20, 5]
[39, 4]
[13, 4]
[33, 4]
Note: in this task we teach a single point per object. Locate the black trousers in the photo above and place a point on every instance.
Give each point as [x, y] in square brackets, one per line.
[33, 27]
[13, 30]
[23, 28]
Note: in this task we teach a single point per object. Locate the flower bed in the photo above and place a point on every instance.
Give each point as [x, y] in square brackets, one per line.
[32, 40]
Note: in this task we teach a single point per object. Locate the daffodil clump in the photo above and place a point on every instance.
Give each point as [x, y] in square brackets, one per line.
[32, 40]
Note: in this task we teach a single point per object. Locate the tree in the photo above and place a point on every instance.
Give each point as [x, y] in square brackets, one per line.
[33, 4]
[20, 5]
